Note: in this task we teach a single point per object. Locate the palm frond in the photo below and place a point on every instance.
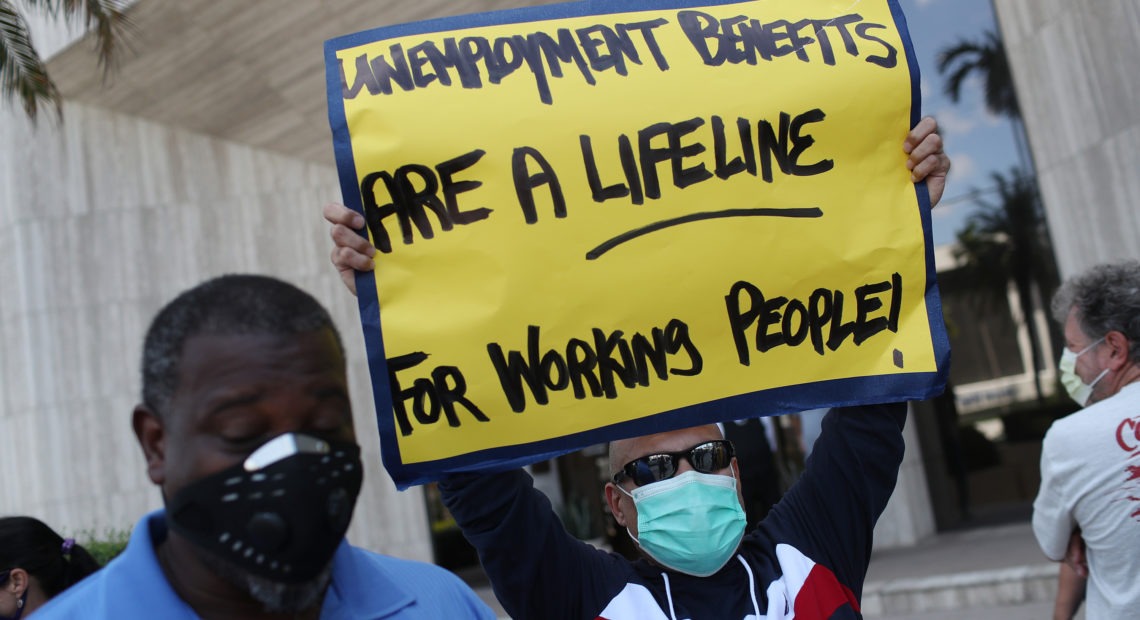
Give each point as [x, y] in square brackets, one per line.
[22, 71]
[1007, 239]
[1006, 242]
[104, 18]
[953, 86]
[947, 57]
[23, 74]
[987, 58]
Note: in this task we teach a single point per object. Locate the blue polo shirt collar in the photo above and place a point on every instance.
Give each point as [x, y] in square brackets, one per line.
[359, 589]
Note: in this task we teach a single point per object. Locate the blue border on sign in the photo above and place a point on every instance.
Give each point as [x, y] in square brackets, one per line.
[844, 392]
[938, 336]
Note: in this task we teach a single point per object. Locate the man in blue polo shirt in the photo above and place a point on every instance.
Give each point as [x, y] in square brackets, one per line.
[246, 426]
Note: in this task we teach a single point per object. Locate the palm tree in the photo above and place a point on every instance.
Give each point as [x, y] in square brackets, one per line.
[23, 74]
[1007, 240]
[986, 58]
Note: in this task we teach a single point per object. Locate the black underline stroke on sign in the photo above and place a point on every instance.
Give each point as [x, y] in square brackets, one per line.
[606, 246]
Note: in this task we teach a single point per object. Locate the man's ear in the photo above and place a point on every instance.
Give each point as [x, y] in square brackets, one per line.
[613, 499]
[1120, 355]
[151, 435]
[739, 483]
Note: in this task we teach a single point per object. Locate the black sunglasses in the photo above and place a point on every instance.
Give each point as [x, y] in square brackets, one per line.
[706, 458]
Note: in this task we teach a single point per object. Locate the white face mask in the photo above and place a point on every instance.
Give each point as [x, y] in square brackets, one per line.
[1078, 389]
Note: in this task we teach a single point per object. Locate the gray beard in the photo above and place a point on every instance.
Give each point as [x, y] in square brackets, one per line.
[275, 597]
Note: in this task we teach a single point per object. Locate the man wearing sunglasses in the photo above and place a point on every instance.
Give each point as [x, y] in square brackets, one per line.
[684, 507]
[677, 494]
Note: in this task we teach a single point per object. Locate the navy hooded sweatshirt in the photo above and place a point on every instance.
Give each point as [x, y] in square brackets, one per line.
[807, 559]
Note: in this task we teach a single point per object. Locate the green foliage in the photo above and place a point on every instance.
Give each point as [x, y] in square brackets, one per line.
[1007, 239]
[23, 74]
[987, 58]
[105, 547]
[1007, 242]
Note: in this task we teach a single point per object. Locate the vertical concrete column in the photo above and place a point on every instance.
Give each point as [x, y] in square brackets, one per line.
[909, 517]
[1073, 64]
[104, 219]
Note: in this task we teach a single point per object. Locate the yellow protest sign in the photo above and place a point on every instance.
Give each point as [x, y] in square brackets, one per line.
[594, 224]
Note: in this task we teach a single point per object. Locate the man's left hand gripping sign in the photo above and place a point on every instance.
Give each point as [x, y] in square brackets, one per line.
[595, 220]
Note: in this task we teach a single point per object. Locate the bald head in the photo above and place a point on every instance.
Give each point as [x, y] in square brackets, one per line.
[623, 451]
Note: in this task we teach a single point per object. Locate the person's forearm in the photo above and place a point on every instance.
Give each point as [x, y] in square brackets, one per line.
[536, 569]
[1070, 593]
[830, 513]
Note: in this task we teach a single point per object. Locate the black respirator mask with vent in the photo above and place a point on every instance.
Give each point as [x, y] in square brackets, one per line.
[281, 514]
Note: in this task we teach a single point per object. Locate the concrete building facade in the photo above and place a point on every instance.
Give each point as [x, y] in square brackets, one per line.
[1074, 67]
[207, 152]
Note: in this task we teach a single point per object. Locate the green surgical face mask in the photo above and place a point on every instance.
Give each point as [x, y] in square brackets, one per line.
[1078, 390]
[691, 523]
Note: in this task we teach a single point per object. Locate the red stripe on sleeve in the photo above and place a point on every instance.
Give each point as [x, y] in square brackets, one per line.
[821, 595]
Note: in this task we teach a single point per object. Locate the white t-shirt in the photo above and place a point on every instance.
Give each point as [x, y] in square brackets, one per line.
[1090, 478]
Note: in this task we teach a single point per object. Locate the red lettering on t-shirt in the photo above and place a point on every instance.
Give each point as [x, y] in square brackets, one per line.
[1128, 435]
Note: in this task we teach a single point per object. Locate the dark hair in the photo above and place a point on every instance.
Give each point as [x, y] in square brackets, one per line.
[30, 544]
[229, 305]
[1106, 298]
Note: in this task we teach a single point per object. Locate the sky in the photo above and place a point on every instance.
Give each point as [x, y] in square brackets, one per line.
[977, 142]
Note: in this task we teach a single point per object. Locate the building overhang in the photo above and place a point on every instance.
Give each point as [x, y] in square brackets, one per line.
[250, 71]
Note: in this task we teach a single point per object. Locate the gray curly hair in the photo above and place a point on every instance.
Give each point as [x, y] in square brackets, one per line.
[1106, 298]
